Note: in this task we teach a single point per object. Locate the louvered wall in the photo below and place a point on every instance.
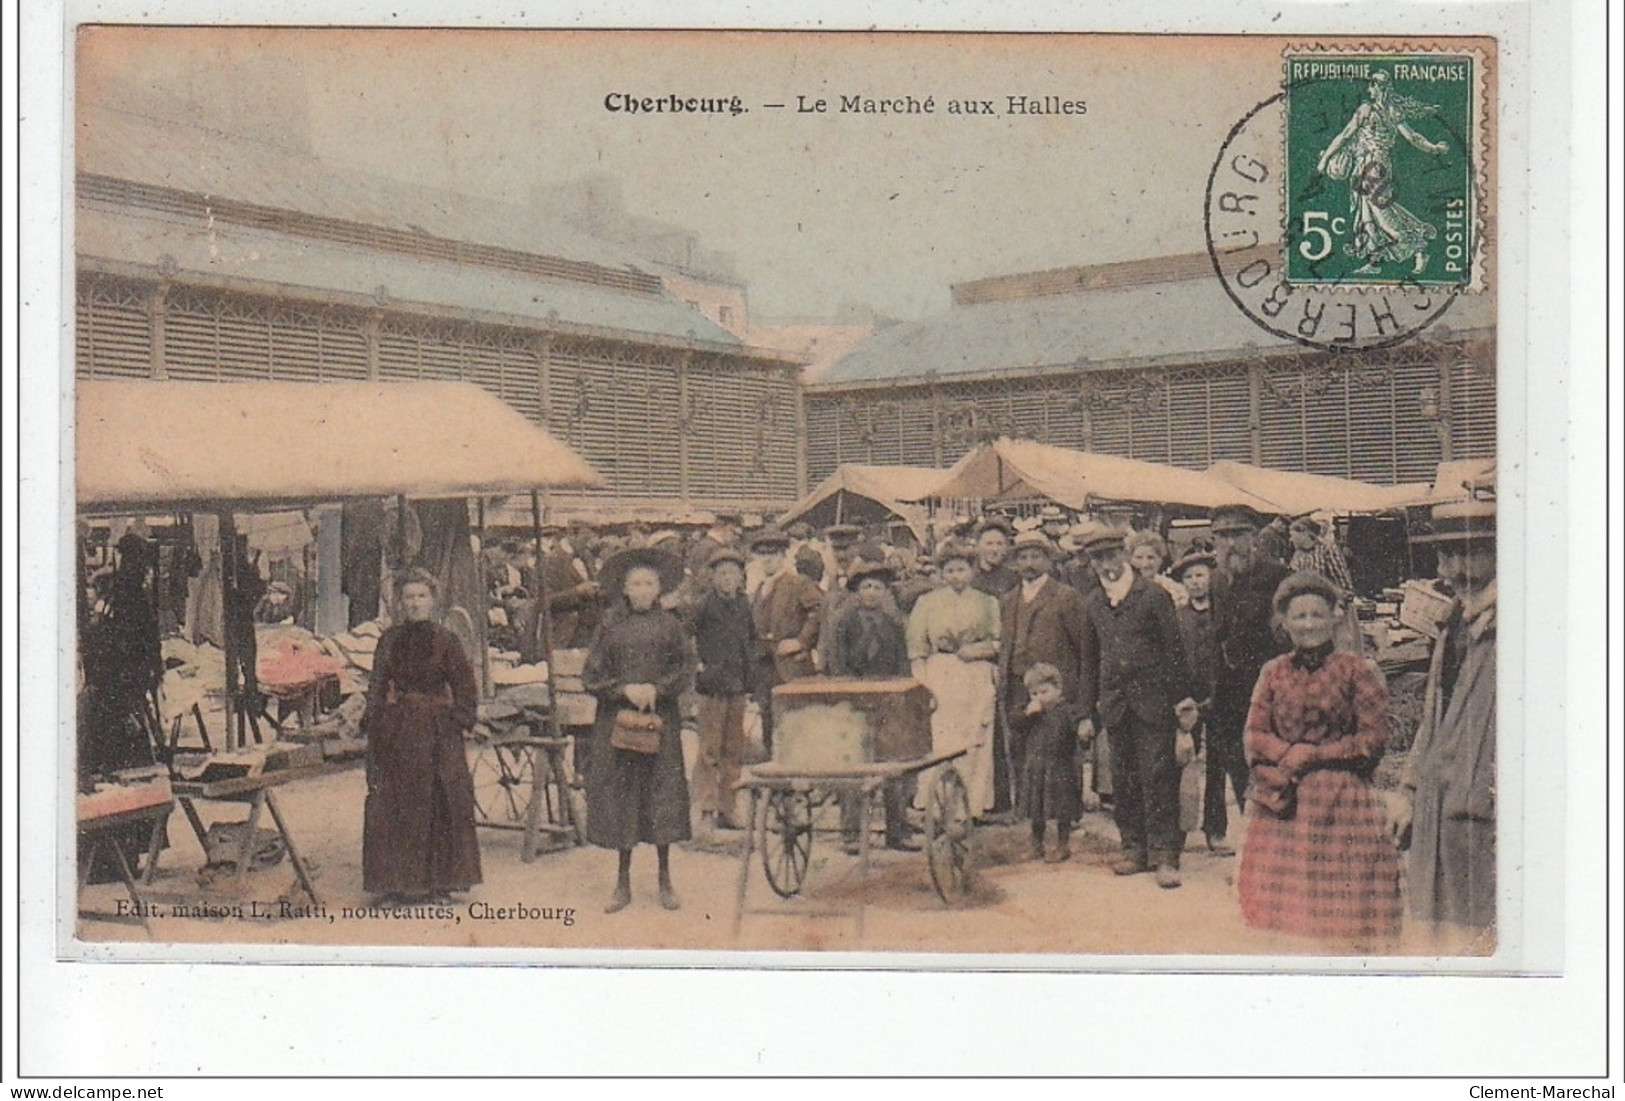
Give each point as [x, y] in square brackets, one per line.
[1348, 416]
[617, 403]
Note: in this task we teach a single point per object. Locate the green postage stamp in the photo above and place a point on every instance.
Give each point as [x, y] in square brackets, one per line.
[1382, 168]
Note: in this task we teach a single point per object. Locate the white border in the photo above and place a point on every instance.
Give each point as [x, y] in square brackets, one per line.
[88, 1019]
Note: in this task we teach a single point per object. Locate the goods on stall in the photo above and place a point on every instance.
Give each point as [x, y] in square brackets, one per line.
[1424, 608]
[534, 673]
[126, 790]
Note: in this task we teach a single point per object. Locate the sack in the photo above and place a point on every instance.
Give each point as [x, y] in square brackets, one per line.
[636, 731]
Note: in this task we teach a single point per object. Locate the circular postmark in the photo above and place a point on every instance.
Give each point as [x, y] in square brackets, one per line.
[1290, 252]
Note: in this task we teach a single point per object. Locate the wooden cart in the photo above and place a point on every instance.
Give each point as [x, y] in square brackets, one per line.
[524, 778]
[848, 737]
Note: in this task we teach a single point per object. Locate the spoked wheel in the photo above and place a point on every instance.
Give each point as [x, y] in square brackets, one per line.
[573, 797]
[504, 778]
[948, 829]
[787, 841]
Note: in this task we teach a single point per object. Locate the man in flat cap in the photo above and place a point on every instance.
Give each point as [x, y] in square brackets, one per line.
[1447, 794]
[1144, 682]
[1042, 621]
[1245, 637]
[723, 532]
[787, 610]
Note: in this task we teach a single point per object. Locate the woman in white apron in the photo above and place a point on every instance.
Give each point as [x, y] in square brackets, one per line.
[953, 644]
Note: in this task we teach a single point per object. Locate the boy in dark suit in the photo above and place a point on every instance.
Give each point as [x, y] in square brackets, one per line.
[1049, 777]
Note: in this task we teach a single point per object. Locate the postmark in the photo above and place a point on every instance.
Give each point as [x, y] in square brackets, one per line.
[1320, 231]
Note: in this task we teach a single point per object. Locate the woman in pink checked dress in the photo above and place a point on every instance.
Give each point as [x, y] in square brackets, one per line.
[1318, 860]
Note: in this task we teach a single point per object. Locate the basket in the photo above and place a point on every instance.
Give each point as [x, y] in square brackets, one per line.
[1424, 608]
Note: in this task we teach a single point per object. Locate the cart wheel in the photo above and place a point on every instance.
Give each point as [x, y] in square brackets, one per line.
[503, 781]
[947, 835]
[787, 841]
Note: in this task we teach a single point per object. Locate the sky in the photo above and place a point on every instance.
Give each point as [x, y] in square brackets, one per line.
[819, 210]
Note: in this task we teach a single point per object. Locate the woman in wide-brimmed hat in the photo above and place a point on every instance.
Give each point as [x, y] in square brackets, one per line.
[640, 663]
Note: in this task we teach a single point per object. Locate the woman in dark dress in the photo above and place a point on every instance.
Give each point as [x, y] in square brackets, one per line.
[640, 661]
[418, 841]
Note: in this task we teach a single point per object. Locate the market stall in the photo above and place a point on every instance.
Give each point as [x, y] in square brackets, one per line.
[1016, 470]
[416, 450]
[858, 494]
[1299, 494]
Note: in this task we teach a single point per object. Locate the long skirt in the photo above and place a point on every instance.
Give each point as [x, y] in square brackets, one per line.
[965, 695]
[633, 797]
[1329, 870]
[418, 836]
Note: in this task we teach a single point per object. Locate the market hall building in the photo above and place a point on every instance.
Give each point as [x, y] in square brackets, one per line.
[203, 256]
[1151, 360]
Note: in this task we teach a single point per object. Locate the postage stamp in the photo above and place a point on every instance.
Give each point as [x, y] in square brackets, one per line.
[1333, 221]
[1379, 182]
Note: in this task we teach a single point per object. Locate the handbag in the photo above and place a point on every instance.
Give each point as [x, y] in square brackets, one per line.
[636, 731]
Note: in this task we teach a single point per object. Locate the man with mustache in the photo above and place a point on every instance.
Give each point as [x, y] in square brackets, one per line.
[1245, 638]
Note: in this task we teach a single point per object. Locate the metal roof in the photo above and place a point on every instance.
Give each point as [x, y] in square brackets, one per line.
[194, 159]
[260, 261]
[1179, 321]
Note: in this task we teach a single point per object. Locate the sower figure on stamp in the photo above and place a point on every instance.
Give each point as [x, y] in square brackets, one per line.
[787, 612]
[1385, 232]
[1447, 800]
[1042, 620]
[1245, 637]
[1144, 679]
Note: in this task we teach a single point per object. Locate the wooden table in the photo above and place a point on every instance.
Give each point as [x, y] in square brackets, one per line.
[256, 791]
[95, 830]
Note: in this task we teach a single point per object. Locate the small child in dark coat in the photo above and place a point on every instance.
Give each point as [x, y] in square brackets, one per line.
[1050, 787]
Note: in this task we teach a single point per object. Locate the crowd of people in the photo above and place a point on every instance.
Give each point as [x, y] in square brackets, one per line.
[1073, 661]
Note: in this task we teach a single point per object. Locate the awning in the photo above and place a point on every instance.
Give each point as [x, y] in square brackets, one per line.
[1014, 469]
[1452, 481]
[1301, 493]
[858, 494]
[179, 444]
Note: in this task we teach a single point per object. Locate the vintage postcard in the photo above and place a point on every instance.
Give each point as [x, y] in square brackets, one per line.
[972, 496]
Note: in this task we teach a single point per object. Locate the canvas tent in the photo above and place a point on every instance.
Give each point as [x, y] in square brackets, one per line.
[857, 494]
[1301, 493]
[179, 444]
[1451, 480]
[1015, 469]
